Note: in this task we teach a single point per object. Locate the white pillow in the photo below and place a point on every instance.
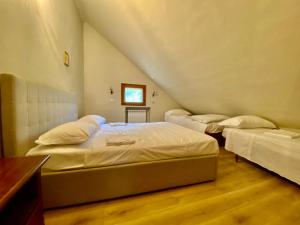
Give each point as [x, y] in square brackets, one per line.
[98, 120]
[177, 112]
[247, 121]
[209, 118]
[68, 133]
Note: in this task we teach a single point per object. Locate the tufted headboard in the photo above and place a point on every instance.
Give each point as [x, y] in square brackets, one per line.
[28, 110]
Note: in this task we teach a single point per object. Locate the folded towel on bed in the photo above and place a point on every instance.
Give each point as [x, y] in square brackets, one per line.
[282, 134]
[117, 140]
[118, 124]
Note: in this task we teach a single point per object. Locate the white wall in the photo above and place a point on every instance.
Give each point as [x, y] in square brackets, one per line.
[217, 56]
[105, 67]
[33, 37]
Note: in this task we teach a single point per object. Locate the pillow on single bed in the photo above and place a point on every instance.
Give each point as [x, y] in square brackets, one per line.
[247, 121]
[177, 112]
[68, 133]
[209, 118]
[98, 120]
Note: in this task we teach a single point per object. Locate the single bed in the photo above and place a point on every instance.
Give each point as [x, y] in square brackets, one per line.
[280, 155]
[186, 121]
[212, 129]
[28, 110]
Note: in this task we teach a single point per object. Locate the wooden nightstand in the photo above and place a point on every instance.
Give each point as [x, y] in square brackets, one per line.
[20, 190]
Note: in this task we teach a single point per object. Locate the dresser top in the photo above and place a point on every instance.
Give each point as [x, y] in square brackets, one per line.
[14, 172]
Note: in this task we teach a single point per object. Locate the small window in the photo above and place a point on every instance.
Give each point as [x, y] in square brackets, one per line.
[133, 94]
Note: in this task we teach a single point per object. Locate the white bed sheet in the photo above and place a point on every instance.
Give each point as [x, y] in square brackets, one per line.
[279, 155]
[153, 141]
[187, 122]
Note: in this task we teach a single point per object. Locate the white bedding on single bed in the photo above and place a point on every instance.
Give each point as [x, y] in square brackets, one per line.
[187, 122]
[152, 142]
[280, 155]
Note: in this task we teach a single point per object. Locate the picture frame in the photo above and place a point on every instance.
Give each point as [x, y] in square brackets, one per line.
[66, 59]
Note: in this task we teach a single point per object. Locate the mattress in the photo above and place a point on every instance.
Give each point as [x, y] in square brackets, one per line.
[279, 155]
[153, 141]
[187, 122]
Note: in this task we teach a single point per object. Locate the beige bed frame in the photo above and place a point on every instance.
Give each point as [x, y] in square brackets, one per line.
[28, 110]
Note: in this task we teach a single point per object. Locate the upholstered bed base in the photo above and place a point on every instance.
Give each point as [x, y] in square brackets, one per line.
[89, 185]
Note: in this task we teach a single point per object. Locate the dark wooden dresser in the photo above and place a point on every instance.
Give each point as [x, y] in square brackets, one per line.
[20, 190]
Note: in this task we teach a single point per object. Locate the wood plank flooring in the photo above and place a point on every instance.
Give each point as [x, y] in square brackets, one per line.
[242, 194]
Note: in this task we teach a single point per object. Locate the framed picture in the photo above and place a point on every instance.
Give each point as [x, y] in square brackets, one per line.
[133, 94]
[66, 59]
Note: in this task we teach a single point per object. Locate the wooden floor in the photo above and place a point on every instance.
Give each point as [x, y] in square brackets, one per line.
[242, 194]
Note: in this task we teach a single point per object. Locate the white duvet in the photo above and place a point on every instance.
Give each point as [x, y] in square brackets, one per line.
[152, 141]
[281, 155]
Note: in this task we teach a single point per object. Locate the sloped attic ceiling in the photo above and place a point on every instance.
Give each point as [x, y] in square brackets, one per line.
[212, 56]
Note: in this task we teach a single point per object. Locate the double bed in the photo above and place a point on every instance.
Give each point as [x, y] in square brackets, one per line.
[164, 155]
[278, 154]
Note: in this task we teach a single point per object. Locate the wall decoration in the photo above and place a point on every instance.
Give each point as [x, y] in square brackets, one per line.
[66, 59]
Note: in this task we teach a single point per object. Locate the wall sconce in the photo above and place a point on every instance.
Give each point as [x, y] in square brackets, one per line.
[111, 91]
[154, 94]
